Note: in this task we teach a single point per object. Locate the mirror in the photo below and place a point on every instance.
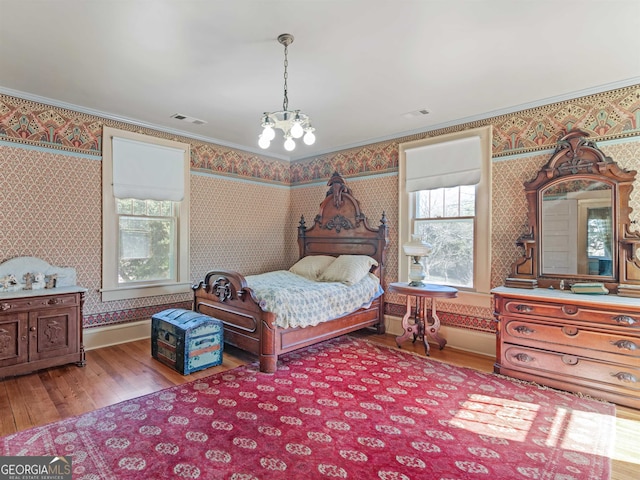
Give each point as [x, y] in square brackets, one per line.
[577, 228]
[578, 222]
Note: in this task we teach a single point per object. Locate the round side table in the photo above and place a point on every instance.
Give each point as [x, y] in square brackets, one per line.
[424, 324]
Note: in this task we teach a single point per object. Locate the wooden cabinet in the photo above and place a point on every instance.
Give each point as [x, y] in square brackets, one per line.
[587, 344]
[40, 329]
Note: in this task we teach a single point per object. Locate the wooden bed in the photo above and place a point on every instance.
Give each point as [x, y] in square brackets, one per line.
[339, 229]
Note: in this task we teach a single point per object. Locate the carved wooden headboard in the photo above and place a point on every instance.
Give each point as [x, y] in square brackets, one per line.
[342, 229]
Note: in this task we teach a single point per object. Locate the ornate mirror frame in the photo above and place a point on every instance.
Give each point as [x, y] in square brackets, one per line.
[578, 158]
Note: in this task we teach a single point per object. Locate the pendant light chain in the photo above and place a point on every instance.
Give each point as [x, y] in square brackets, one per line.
[285, 102]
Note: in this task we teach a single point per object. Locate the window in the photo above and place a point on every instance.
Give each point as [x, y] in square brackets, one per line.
[446, 217]
[147, 240]
[448, 202]
[599, 232]
[145, 216]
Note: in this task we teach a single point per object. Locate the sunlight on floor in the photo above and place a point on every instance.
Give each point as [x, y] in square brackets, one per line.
[581, 431]
[627, 441]
[571, 430]
[496, 417]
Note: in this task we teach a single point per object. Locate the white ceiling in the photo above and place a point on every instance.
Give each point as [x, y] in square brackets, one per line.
[356, 67]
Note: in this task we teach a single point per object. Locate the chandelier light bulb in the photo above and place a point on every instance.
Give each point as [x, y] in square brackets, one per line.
[296, 129]
[289, 144]
[269, 133]
[263, 142]
[309, 138]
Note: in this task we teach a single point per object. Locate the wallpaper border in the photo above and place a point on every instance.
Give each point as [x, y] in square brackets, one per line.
[607, 115]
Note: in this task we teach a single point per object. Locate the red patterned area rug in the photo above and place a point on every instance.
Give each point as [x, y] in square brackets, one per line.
[342, 409]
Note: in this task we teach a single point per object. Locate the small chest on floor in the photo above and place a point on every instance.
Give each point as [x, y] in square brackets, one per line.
[185, 340]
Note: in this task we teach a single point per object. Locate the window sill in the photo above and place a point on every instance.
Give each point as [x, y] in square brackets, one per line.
[472, 299]
[125, 293]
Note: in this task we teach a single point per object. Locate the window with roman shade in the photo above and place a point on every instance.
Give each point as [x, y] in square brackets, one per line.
[445, 197]
[145, 216]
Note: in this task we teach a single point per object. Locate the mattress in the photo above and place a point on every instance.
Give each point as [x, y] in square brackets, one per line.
[299, 302]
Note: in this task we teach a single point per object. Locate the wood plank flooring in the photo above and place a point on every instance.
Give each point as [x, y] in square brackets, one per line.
[121, 372]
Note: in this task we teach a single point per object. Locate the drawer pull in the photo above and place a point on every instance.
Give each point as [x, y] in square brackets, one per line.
[5, 306]
[523, 357]
[524, 308]
[570, 331]
[32, 329]
[569, 360]
[54, 301]
[570, 309]
[626, 319]
[524, 330]
[625, 345]
[625, 377]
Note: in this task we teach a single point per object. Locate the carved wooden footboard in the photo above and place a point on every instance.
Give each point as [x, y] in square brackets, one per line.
[224, 295]
[340, 228]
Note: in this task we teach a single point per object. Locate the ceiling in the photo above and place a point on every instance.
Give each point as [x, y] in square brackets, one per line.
[358, 68]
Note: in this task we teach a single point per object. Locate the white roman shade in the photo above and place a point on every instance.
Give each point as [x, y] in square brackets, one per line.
[442, 165]
[146, 171]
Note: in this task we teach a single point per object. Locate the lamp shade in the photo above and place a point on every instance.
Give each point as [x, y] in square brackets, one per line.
[417, 247]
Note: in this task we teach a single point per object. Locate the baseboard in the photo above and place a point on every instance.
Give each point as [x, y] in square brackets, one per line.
[99, 337]
[481, 343]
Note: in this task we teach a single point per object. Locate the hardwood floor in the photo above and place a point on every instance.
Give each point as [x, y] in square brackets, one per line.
[120, 372]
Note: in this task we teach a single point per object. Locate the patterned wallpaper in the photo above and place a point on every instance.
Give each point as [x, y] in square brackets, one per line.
[50, 160]
[53, 210]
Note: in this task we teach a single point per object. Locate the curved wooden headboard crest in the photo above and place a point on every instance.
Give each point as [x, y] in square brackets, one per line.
[342, 229]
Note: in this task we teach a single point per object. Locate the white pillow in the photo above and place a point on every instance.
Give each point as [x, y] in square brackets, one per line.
[312, 266]
[348, 269]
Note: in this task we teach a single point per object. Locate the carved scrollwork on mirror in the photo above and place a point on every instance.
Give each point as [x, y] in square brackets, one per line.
[579, 222]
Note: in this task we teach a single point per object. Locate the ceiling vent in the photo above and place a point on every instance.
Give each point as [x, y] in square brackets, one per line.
[185, 118]
[416, 113]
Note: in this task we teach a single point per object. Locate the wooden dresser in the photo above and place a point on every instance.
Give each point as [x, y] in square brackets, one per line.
[587, 344]
[40, 322]
[40, 329]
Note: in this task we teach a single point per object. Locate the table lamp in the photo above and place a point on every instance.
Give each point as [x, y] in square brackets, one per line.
[417, 249]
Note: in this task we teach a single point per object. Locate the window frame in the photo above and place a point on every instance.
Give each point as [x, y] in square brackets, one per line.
[111, 289]
[480, 292]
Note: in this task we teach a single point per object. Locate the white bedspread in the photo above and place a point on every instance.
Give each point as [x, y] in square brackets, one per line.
[300, 302]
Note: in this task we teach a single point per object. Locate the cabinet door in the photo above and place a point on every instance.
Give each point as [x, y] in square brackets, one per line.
[13, 338]
[53, 332]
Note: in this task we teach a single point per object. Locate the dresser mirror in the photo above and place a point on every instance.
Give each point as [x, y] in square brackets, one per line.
[577, 228]
[578, 222]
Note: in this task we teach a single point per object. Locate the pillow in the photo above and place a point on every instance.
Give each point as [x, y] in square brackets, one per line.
[312, 266]
[348, 269]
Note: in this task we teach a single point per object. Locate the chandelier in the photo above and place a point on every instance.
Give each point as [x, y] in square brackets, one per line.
[293, 123]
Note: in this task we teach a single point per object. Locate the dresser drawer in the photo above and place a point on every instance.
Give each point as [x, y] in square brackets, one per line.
[30, 303]
[581, 343]
[574, 369]
[573, 312]
[573, 339]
